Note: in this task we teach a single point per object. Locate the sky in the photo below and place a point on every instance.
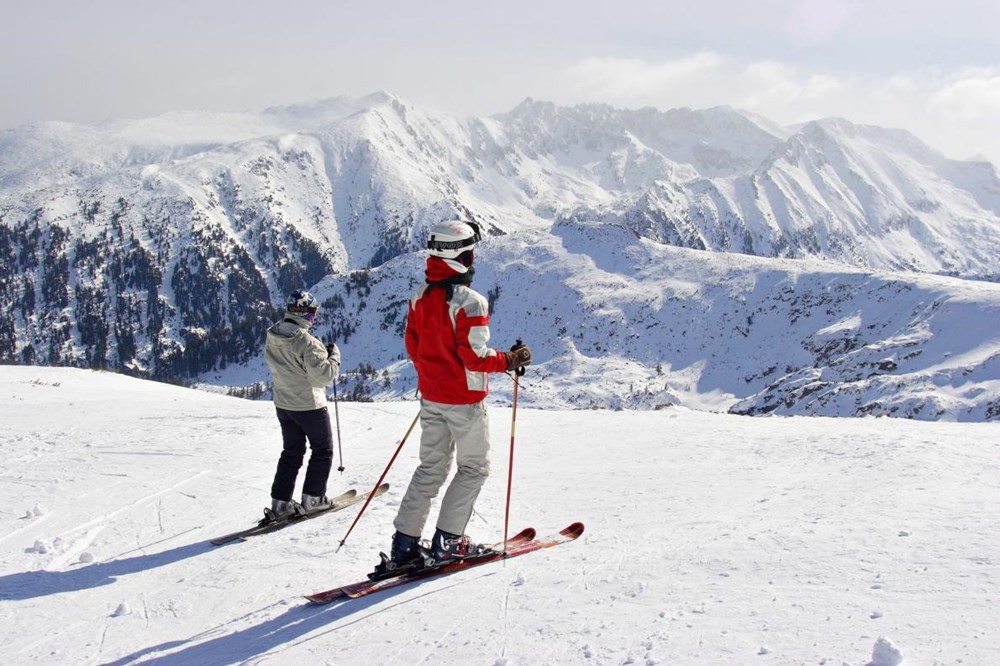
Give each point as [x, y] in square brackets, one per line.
[927, 66]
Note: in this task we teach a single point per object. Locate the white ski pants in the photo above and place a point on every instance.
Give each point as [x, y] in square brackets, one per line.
[447, 430]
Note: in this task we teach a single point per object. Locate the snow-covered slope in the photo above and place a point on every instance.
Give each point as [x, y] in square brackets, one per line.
[710, 539]
[160, 246]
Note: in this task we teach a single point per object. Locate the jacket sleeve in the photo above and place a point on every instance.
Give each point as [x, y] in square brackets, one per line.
[472, 331]
[320, 369]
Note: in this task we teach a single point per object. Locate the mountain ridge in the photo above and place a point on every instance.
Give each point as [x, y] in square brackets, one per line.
[167, 259]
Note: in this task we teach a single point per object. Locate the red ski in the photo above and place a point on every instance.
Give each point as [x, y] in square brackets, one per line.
[521, 543]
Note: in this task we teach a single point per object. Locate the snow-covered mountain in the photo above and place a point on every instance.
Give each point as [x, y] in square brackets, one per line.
[160, 246]
[620, 322]
[710, 538]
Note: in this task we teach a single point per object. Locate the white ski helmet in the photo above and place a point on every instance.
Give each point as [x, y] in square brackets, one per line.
[451, 238]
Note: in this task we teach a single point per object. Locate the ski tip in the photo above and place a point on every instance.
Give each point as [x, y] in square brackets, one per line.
[573, 531]
[343, 498]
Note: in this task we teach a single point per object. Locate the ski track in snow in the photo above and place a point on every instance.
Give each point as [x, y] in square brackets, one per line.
[108, 517]
[710, 539]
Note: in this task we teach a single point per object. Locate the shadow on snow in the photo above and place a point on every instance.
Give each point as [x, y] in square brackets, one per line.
[254, 641]
[34, 584]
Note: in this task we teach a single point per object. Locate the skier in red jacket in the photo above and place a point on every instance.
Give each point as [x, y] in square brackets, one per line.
[447, 331]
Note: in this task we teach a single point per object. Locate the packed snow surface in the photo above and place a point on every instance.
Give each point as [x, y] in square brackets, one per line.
[710, 539]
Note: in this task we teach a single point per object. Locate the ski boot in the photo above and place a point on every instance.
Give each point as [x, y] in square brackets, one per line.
[314, 503]
[405, 555]
[281, 510]
[448, 547]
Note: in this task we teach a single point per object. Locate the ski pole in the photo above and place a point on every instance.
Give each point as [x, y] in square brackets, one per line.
[379, 482]
[510, 461]
[336, 414]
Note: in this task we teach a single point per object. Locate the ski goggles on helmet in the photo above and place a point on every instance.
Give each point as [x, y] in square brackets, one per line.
[440, 245]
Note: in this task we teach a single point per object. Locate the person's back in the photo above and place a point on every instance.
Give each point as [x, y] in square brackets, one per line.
[447, 336]
[300, 366]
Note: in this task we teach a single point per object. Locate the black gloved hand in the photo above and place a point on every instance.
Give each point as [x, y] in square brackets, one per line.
[332, 352]
[518, 357]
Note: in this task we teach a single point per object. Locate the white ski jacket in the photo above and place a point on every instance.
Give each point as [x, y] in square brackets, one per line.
[299, 366]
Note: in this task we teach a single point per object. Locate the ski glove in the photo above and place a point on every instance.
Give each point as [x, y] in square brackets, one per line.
[518, 357]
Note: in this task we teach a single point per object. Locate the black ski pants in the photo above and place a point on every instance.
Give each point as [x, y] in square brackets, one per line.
[296, 428]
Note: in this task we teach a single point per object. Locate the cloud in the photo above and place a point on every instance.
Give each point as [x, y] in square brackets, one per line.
[972, 94]
[634, 79]
[955, 112]
[774, 85]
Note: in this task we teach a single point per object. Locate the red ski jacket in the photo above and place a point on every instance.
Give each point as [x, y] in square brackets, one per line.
[447, 339]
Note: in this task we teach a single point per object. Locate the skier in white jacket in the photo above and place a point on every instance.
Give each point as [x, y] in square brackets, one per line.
[301, 368]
